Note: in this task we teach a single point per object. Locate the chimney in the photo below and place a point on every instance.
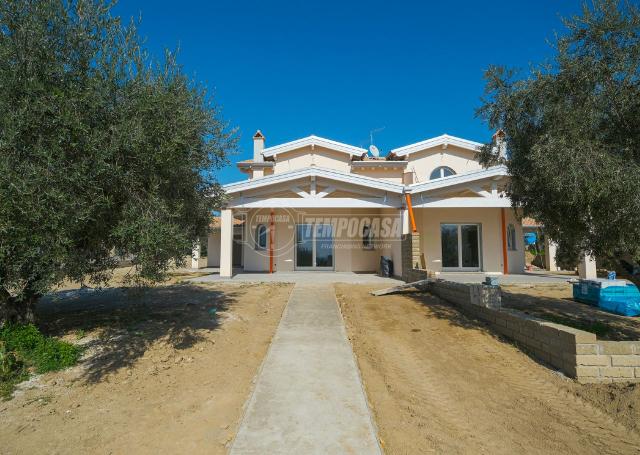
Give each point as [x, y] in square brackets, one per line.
[258, 147]
[500, 144]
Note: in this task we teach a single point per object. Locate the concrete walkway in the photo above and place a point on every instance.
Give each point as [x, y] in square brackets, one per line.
[309, 398]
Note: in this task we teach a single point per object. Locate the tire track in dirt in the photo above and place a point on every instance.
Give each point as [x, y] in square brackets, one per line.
[439, 382]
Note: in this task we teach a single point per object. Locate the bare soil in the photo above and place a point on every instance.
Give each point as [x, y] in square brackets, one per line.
[439, 382]
[166, 370]
[555, 302]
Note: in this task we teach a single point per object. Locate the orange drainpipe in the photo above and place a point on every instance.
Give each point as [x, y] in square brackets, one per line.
[505, 257]
[271, 229]
[410, 207]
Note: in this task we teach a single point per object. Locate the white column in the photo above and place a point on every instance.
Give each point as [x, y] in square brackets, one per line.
[404, 213]
[550, 250]
[226, 243]
[195, 256]
[587, 267]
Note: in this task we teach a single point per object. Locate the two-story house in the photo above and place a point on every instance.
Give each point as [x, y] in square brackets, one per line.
[318, 204]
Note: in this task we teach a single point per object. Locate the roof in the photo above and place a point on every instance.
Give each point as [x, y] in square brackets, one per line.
[443, 140]
[251, 163]
[468, 177]
[313, 141]
[530, 222]
[330, 174]
[215, 222]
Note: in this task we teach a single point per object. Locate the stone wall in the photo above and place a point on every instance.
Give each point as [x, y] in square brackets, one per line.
[575, 352]
[410, 250]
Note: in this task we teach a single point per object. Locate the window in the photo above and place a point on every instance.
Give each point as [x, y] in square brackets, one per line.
[441, 172]
[367, 237]
[511, 237]
[261, 237]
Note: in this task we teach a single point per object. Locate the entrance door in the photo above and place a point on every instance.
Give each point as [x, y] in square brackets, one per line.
[314, 247]
[460, 247]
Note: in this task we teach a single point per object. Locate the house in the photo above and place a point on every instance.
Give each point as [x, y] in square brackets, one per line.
[318, 204]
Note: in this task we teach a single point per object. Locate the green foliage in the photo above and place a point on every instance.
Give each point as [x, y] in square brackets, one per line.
[103, 150]
[24, 348]
[573, 132]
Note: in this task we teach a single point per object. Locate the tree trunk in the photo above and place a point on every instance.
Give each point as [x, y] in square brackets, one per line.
[18, 311]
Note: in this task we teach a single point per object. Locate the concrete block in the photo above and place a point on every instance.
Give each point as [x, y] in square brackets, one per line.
[625, 360]
[586, 349]
[582, 371]
[637, 372]
[616, 347]
[627, 380]
[596, 360]
[588, 380]
[617, 372]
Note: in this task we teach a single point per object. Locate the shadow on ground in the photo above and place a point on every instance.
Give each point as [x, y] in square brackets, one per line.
[125, 322]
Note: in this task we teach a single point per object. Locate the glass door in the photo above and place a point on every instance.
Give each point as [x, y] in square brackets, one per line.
[460, 247]
[314, 247]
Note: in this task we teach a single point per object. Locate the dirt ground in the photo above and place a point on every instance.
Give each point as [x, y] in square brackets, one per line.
[554, 302]
[438, 382]
[165, 371]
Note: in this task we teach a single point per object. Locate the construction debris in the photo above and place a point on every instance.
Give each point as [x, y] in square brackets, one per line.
[416, 284]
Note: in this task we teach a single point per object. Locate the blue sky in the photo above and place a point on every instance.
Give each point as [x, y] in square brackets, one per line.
[341, 69]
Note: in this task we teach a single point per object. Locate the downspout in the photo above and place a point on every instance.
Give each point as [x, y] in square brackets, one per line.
[505, 256]
[410, 208]
[271, 232]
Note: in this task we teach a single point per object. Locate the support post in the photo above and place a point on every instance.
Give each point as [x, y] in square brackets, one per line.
[587, 267]
[226, 243]
[505, 253]
[195, 255]
[271, 234]
[550, 249]
[410, 208]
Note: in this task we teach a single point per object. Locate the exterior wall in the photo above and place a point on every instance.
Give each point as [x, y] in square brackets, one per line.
[213, 249]
[391, 175]
[421, 164]
[349, 255]
[515, 258]
[428, 223]
[305, 157]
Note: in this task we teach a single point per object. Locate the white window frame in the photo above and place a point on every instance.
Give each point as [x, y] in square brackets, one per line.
[442, 170]
[367, 239]
[258, 246]
[512, 244]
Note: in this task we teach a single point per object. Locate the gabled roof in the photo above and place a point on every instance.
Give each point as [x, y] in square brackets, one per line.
[445, 139]
[469, 177]
[330, 174]
[312, 141]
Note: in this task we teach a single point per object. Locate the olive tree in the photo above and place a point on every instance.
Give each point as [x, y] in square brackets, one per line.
[572, 131]
[104, 151]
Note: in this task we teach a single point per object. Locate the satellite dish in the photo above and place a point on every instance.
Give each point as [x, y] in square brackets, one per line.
[374, 150]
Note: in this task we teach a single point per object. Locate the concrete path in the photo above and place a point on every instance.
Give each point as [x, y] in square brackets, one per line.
[314, 277]
[309, 398]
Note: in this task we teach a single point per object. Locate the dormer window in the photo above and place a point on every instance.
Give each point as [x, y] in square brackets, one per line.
[441, 172]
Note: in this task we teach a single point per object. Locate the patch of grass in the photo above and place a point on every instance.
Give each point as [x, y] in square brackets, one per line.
[597, 327]
[23, 349]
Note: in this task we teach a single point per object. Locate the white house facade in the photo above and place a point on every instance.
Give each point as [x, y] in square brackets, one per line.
[318, 204]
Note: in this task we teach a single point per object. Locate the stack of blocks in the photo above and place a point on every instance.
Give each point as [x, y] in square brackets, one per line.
[575, 352]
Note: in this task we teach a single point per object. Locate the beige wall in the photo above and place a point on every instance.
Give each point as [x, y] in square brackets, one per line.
[305, 157]
[213, 249]
[391, 175]
[428, 223]
[424, 162]
[348, 252]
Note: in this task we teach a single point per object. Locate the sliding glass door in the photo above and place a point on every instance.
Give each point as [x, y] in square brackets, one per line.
[314, 247]
[460, 247]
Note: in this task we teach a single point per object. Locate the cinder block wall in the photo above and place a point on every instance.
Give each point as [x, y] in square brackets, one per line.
[410, 250]
[575, 352]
